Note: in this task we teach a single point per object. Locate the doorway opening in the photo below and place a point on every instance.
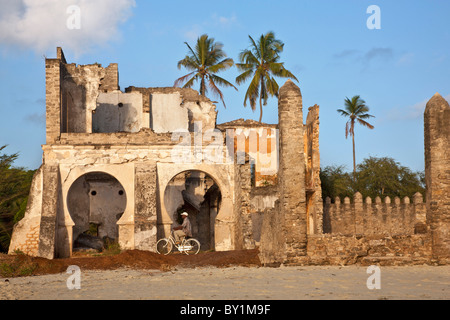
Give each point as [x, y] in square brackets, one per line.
[196, 193]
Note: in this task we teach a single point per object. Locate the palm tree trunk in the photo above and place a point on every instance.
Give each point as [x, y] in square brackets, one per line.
[354, 156]
[260, 101]
[261, 109]
[202, 86]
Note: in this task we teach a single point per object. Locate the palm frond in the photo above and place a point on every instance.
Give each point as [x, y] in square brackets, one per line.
[366, 116]
[245, 66]
[222, 82]
[221, 66]
[247, 57]
[365, 124]
[188, 63]
[190, 82]
[272, 86]
[181, 80]
[253, 91]
[349, 128]
[256, 53]
[194, 55]
[216, 91]
[343, 112]
[284, 73]
[244, 76]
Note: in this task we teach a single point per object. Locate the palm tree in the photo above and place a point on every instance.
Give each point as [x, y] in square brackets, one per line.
[261, 61]
[356, 110]
[205, 61]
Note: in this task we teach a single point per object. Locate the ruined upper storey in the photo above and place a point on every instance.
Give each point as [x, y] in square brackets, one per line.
[85, 106]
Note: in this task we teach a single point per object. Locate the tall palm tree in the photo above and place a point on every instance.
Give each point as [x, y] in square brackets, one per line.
[205, 61]
[261, 62]
[356, 110]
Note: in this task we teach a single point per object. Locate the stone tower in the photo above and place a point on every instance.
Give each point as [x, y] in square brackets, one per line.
[292, 171]
[437, 172]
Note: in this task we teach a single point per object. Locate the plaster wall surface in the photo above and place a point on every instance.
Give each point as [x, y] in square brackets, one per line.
[167, 114]
[118, 112]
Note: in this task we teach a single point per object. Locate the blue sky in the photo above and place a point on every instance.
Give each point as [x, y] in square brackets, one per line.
[328, 46]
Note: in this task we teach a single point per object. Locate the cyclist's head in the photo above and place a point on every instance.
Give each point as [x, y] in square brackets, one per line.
[184, 214]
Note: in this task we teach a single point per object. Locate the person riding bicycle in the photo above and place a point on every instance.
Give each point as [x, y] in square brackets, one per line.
[185, 230]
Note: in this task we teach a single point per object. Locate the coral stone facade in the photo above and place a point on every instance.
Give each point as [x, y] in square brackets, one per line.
[120, 166]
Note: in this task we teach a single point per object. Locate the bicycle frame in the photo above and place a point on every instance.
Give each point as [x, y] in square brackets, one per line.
[187, 245]
[180, 247]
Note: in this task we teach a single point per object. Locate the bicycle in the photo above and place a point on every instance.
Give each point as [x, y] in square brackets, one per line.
[188, 245]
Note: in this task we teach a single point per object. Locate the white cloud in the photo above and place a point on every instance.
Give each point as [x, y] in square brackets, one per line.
[42, 25]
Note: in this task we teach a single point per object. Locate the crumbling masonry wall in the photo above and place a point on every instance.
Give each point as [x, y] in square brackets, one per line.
[292, 171]
[314, 202]
[93, 127]
[284, 228]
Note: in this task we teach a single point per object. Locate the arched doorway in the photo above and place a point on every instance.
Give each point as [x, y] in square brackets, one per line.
[95, 201]
[198, 194]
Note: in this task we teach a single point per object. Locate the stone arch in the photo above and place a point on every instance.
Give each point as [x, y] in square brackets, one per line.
[95, 201]
[198, 194]
[223, 175]
[124, 174]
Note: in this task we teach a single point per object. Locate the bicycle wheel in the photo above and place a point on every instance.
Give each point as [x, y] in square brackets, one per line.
[164, 246]
[192, 246]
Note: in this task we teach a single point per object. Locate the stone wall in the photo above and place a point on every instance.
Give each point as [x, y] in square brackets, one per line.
[53, 99]
[143, 137]
[377, 217]
[330, 249]
[111, 80]
[188, 105]
[145, 219]
[251, 205]
[284, 226]
[292, 171]
[437, 173]
[25, 235]
[314, 203]
[258, 141]
[79, 92]
[49, 212]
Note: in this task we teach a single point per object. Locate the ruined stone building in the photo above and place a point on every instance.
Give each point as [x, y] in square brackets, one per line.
[123, 165]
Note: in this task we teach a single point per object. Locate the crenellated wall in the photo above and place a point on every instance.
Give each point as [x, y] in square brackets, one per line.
[375, 217]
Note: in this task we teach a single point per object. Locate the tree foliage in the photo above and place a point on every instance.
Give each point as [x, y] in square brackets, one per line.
[374, 177]
[205, 61]
[15, 185]
[261, 63]
[336, 182]
[386, 177]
